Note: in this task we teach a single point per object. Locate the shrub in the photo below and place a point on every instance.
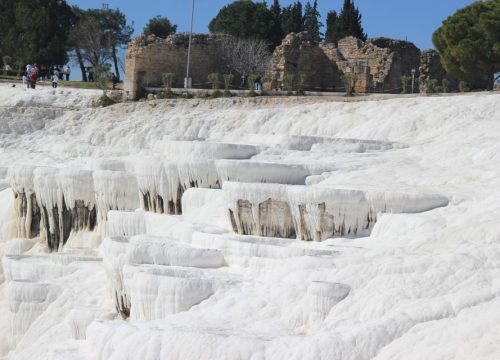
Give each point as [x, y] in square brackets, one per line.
[102, 78]
[462, 86]
[251, 85]
[168, 79]
[251, 81]
[228, 80]
[289, 82]
[214, 79]
[104, 101]
[432, 86]
[349, 80]
[404, 83]
[445, 85]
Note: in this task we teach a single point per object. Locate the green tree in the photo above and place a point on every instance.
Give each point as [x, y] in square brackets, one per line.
[469, 42]
[349, 22]
[73, 40]
[278, 18]
[292, 20]
[312, 23]
[160, 26]
[114, 27]
[98, 34]
[42, 28]
[332, 27]
[8, 34]
[246, 20]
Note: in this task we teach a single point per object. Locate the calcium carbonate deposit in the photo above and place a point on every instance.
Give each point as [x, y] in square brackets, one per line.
[249, 229]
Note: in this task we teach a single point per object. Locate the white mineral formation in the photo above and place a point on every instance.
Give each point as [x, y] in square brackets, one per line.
[265, 228]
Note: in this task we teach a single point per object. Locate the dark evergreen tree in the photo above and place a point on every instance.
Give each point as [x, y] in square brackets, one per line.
[160, 26]
[469, 42]
[292, 20]
[278, 18]
[42, 28]
[8, 34]
[347, 23]
[312, 23]
[332, 27]
[246, 20]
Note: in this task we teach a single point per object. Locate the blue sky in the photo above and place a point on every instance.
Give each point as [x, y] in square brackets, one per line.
[399, 19]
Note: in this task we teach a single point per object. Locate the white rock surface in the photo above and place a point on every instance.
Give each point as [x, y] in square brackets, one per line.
[423, 282]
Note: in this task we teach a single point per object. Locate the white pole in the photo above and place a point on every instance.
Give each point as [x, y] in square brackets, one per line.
[412, 80]
[187, 81]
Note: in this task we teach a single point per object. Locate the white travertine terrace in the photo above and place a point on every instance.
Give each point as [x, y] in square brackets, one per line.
[264, 228]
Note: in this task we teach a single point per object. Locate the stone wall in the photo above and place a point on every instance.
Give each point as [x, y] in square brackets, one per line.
[150, 57]
[378, 64]
[299, 55]
[431, 68]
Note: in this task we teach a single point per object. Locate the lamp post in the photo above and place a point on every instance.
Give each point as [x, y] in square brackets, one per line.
[188, 81]
[412, 80]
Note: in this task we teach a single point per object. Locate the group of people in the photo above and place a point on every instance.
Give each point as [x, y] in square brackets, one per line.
[30, 77]
[32, 74]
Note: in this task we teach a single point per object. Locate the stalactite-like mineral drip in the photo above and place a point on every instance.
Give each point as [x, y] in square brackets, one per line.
[26, 207]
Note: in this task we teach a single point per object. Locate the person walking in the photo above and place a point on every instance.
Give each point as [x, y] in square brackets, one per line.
[114, 80]
[33, 77]
[91, 75]
[258, 84]
[28, 75]
[55, 81]
[67, 72]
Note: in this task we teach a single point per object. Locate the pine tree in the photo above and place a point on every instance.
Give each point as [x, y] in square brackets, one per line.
[292, 20]
[312, 23]
[347, 23]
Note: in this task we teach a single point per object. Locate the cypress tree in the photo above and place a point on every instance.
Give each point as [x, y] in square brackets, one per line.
[312, 23]
[278, 20]
[350, 22]
[292, 20]
[332, 27]
[347, 23]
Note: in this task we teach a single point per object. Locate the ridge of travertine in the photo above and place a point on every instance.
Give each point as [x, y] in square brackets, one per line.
[189, 198]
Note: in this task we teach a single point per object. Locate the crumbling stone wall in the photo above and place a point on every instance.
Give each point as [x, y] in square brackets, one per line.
[377, 64]
[431, 68]
[149, 57]
[297, 55]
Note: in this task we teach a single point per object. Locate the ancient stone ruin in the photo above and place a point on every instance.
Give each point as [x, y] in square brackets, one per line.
[149, 57]
[377, 64]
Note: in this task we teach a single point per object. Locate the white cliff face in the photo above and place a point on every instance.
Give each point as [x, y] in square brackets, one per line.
[267, 229]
